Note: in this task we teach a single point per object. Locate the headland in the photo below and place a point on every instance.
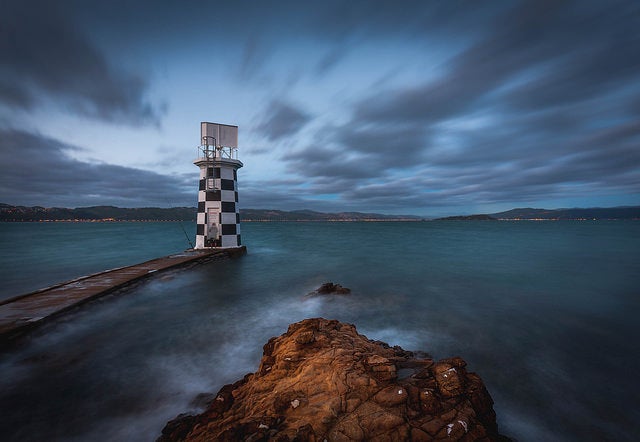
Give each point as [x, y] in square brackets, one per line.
[322, 380]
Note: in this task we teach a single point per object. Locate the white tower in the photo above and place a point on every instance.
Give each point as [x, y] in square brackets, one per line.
[218, 221]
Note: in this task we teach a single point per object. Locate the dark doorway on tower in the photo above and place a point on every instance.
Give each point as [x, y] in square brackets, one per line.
[213, 228]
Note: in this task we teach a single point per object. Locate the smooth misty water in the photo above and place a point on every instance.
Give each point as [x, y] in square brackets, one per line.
[545, 312]
[36, 255]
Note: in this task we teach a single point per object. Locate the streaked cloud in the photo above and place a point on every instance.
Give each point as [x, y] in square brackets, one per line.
[282, 119]
[37, 170]
[427, 107]
[46, 58]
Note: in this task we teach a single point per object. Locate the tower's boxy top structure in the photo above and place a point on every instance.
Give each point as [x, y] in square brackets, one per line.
[218, 221]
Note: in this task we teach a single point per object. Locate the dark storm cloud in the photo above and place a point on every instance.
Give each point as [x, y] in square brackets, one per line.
[393, 145]
[373, 19]
[351, 152]
[524, 100]
[486, 168]
[322, 161]
[256, 195]
[63, 181]
[46, 56]
[587, 163]
[558, 52]
[553, 87]
[281, 120]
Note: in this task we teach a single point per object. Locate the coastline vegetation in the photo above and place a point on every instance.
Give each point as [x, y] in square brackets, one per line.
[11, 213]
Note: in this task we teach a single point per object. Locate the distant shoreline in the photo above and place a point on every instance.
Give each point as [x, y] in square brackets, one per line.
[10, 213]
[411, 220]
[193, 221]
[95, 220]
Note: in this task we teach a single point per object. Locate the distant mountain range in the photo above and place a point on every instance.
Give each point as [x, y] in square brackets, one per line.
[111, 213]
[567, 214]
[553, 214]
[310, 215]
[96, 213]
[468, 218]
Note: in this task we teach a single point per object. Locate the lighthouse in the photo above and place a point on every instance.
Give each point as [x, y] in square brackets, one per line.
[218, 220]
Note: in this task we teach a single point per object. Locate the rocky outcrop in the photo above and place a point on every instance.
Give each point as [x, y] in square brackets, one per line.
[321, 380]
[329, 288]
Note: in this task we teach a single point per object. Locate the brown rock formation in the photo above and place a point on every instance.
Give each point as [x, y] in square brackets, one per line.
[321, 380]
[329, 288]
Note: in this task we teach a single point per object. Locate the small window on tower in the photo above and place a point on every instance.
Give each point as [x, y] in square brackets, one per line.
[209, 171]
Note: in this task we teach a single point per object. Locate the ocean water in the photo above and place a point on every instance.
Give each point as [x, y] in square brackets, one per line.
[37, 255]
[545, 312]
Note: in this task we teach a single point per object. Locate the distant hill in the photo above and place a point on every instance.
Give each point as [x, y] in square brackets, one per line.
[310, 215]
[96, 213]
[571, 214]
[111, 213]
[467, 218]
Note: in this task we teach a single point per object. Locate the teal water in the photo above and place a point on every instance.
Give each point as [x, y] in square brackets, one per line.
[36, 255]
[545, 312]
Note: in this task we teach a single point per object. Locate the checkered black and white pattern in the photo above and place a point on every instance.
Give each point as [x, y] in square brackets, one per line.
[218, 221]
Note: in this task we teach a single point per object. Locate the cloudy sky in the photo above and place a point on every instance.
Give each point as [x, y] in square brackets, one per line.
[425, 107]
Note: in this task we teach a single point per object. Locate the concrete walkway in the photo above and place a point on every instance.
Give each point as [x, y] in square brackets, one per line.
[20, 314]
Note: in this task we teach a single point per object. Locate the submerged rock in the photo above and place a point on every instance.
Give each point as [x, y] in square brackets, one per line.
[329, 288]
[321, 380]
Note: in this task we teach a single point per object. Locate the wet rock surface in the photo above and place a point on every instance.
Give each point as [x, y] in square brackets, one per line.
[329, 288]
[321, 380]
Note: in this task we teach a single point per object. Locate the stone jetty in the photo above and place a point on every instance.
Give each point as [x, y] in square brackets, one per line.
[23, 313]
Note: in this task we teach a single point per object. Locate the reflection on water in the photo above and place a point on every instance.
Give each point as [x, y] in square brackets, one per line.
[540, 311]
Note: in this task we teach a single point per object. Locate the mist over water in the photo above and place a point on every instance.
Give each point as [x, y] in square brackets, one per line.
[36, 255]
[546, 313]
